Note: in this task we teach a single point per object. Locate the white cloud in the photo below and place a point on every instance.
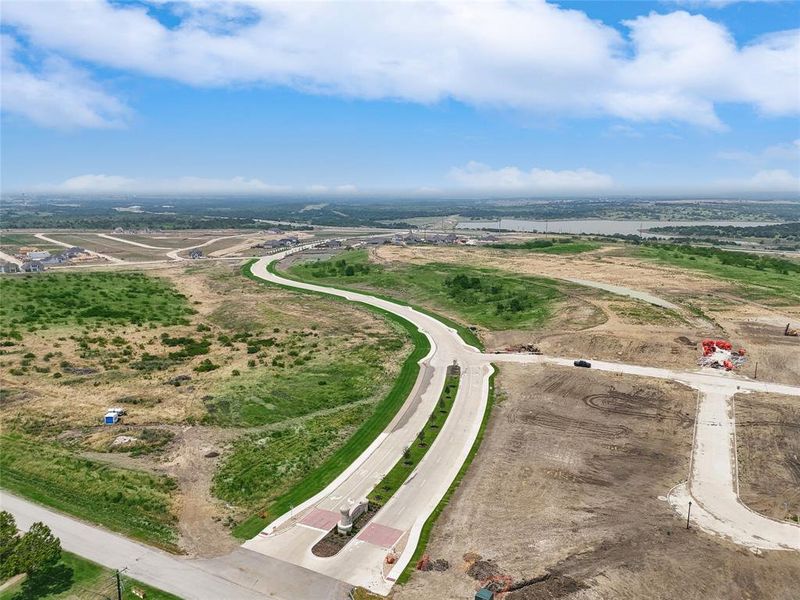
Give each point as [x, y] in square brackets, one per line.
[765, 180]
[777, 153]
[530, 56]
[774, 179]
[57, 95]
[479, 176]
[719, 3]
[91, 184]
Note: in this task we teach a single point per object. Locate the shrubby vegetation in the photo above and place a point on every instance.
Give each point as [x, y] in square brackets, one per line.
[760, 276]
[262, 466]
[135, 503]
[554, 246]
[57, 299]
[486, 297]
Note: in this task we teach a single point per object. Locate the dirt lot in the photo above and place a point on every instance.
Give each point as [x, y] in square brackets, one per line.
[709, 308]
[768, 450]
[565, 500]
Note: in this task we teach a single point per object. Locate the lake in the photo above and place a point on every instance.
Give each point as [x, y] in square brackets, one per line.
[594, 226]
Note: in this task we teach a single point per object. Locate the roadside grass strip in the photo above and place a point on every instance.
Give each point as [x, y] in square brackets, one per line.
[431, 520]
[76, 577]
[134, 503]
[381, 416]
[414, 453]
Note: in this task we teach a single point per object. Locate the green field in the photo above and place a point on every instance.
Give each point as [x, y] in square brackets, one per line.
[759, 277]
[398, 474]
[75, 577]
[318, 378]
[134, 503]
[484, 297]
[50, 299]
[554, 246]
[263, 466]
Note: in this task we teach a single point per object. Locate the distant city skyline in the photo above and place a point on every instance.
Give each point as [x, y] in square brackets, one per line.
[438, 99]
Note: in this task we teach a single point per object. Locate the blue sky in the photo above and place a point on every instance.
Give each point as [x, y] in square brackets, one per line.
[323, 99]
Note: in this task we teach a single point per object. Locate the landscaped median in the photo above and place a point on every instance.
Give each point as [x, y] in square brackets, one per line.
[414, 453]
[380, 418]
[431, 520]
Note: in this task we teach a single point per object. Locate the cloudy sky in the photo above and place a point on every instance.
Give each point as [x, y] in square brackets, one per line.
[334, 98]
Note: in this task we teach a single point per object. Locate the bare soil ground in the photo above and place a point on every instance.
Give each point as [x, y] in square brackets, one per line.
[565, 500]
[768, 451]
[710, 308]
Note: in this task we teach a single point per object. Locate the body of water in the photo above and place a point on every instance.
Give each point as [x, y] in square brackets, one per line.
[595, 226]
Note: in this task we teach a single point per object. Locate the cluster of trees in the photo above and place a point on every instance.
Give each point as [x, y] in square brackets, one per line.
[475, 290]
[338, 268]
[32, 552]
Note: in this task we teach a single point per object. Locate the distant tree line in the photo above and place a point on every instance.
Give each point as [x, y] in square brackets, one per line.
[784, 231]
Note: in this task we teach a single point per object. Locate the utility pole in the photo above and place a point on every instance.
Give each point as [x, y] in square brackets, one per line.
[755, 375]
[119, 587]
[688, 514]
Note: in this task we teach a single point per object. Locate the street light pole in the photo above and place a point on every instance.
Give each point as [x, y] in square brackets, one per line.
[688, 514]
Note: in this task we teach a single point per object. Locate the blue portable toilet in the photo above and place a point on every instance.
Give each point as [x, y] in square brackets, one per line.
[111, 418]
[484, 594]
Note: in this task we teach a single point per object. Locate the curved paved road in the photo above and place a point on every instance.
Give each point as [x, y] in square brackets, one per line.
[397, 526]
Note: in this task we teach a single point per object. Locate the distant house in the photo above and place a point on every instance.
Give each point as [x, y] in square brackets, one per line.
[9, 267]
[73, 252]
[289, 241]
[33, 266]
[55, 259]
[196, 253]
[37, 255]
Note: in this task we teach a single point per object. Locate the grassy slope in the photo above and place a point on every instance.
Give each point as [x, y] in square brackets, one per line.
[383, 413]
[134, 503]
[76, 577]
[756, 284]
[263, 466]
[464, 332]
[431, 521]
[426, 283]
[328, 378]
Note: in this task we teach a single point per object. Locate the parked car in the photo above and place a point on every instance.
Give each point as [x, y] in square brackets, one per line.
[583, 363]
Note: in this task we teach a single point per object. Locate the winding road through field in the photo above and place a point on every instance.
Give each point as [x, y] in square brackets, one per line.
[395, 529]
